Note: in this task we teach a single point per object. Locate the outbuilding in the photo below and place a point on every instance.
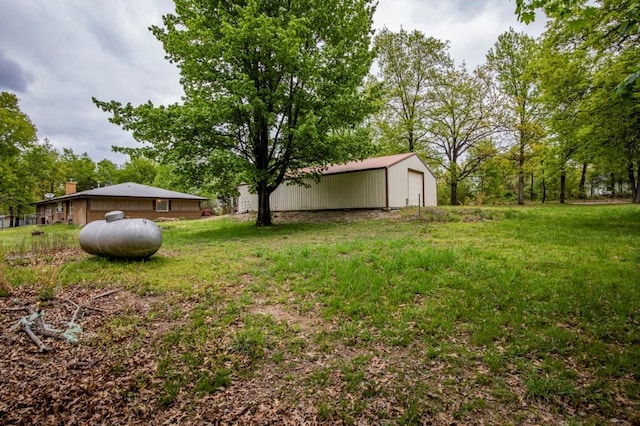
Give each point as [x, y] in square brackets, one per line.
[389, 182]
[135, 200]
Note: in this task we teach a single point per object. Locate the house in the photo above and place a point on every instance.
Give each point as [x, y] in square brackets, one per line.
[389, 182]
[135, 200]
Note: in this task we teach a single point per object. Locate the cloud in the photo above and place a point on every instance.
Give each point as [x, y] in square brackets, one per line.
[58, 55]
[471, 27]
[12, 76]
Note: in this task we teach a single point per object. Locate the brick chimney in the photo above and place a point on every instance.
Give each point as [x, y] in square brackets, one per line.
[70, 188]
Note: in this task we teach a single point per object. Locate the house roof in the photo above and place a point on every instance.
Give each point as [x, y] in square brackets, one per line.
[128, 190]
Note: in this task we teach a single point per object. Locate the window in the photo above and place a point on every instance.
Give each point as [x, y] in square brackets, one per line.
[162, 205]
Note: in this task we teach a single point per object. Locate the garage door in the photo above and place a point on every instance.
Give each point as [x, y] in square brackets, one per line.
[416, 185]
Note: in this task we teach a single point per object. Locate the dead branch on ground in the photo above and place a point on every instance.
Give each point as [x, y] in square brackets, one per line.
[33, 325]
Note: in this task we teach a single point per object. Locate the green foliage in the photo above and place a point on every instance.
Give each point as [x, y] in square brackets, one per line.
[80, 169]
[139, 170]
[270, 87]
[510, 61]
[606, 26]
[17, 135]
[578, 73]
[409, 64]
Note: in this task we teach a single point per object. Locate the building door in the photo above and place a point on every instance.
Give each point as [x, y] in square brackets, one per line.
[415, 195]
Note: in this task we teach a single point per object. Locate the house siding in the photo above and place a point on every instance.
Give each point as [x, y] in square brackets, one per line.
[81, 211]
[142, 208]
[79, 215]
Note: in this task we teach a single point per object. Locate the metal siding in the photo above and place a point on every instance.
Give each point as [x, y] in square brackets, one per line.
[398, 183]
[415, 196]
[247, 202]
[355, 190]
[378, 188]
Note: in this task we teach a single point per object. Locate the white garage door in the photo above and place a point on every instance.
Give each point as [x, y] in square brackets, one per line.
[416, 191]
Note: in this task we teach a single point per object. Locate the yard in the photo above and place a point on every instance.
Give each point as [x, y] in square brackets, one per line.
[459, 316]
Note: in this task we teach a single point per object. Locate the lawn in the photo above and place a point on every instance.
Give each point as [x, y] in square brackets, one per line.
[459, 315]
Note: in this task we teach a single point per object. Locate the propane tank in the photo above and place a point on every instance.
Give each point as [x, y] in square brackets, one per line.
[121, 238]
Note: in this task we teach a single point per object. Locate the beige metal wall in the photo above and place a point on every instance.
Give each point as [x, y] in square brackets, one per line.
[399, 175]
[358, 190]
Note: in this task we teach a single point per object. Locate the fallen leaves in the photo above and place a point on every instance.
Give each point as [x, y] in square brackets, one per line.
[111, 376]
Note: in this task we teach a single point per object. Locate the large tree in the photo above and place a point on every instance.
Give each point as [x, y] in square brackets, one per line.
[564, 77]
[615, 121]
[17, 134]
[270, 87]
[461, 119]
[409, 66]
[511, 59]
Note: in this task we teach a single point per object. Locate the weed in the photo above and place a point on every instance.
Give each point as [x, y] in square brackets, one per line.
[250, 342]
[209, 383]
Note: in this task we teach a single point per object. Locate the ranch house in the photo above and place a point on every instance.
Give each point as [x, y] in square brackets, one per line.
[135, 200]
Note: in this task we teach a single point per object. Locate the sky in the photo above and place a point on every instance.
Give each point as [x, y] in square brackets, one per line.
[56, 55]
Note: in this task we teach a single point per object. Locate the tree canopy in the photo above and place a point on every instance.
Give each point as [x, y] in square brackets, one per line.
[17, 135]
[270, 87]
[511, 59]
[409, 66]
[606, 26]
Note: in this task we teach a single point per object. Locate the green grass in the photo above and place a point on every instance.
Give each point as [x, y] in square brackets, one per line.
[501, 305]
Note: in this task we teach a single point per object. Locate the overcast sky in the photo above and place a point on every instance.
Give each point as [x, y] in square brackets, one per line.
[56, 55]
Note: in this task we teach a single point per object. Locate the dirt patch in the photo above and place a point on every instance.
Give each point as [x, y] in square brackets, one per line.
[324, 216]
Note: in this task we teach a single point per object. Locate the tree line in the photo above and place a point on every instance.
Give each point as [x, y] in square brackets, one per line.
[31, 168]
[542, 119]
[273, 88]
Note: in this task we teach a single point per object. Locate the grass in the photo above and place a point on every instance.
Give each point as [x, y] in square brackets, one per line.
[468, 312]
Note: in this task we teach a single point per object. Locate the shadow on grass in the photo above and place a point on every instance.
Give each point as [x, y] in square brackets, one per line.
[239, 231]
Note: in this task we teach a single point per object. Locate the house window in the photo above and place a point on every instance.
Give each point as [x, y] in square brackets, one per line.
[162, 205]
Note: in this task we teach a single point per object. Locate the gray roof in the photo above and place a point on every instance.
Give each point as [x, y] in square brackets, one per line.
[128, 190]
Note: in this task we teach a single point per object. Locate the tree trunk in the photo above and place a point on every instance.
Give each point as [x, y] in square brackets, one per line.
[635, 182]
[264, 207]
[613, 185]
[411, 141]
[521, 175]
[454, 193]
[583, 180]
[544, 184]
[531, 193]
[563, 186]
